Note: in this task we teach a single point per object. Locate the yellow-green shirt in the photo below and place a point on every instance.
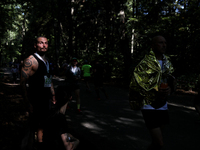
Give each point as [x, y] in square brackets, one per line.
[86, 70]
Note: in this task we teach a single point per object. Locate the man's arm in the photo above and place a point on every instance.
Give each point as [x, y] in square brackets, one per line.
[27, 70]
[53, 94]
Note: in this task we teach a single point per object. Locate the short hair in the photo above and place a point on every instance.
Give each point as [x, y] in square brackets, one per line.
[36, 39]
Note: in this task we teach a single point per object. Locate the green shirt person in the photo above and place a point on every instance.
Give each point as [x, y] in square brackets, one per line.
[86, 68]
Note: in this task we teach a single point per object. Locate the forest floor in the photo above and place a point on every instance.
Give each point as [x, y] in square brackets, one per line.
[106, 124]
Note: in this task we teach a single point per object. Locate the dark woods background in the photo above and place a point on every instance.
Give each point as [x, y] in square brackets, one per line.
[116, 32]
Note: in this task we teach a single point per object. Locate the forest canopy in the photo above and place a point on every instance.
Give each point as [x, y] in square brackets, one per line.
[116, 32]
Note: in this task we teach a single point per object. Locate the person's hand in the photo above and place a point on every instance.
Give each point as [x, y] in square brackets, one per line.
[75, 143]
[69, 146]
[54, 99]
[72, 145]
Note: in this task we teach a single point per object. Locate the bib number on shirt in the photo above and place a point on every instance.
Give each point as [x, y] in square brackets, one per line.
[47, 81]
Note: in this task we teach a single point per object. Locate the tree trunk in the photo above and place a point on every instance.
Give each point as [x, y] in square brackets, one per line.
[126, 52]
[23, 37]
[70, 44]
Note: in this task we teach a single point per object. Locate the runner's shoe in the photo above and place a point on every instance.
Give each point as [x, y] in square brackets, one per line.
[78, 111]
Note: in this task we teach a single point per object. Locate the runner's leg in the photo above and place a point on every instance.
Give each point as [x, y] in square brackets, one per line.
[157, 139]
[78, 101]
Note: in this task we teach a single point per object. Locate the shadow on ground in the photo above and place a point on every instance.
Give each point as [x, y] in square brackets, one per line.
[108, 124]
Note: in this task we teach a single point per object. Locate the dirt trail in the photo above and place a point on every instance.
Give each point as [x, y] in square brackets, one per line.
[107, 124]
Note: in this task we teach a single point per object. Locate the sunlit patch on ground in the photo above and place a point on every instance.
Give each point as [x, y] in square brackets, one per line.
[90, 116]
[91, 126]
[179, 105]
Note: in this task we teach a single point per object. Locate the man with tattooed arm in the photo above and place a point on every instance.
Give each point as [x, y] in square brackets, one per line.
[40, 92]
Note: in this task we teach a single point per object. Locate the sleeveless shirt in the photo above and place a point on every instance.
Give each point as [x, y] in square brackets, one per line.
[37, 80]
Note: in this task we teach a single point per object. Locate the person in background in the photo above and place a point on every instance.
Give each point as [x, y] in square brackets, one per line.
[55, 70]
[14, 71]
[73, 76]
[86, 68]
[151, 83]
[63, 69]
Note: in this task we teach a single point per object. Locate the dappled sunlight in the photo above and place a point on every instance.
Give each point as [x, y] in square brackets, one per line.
[96, 132]
[132, 137]
[187, 111]
[68, 118]
[91, 125]
[182, 106]
[89, 112]
[102, 122]
[90, 116]
[123, 122]
[73, 101]
[128, 121]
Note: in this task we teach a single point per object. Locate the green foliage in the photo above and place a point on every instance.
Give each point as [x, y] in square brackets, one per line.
[102, 29]
[187, 81]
